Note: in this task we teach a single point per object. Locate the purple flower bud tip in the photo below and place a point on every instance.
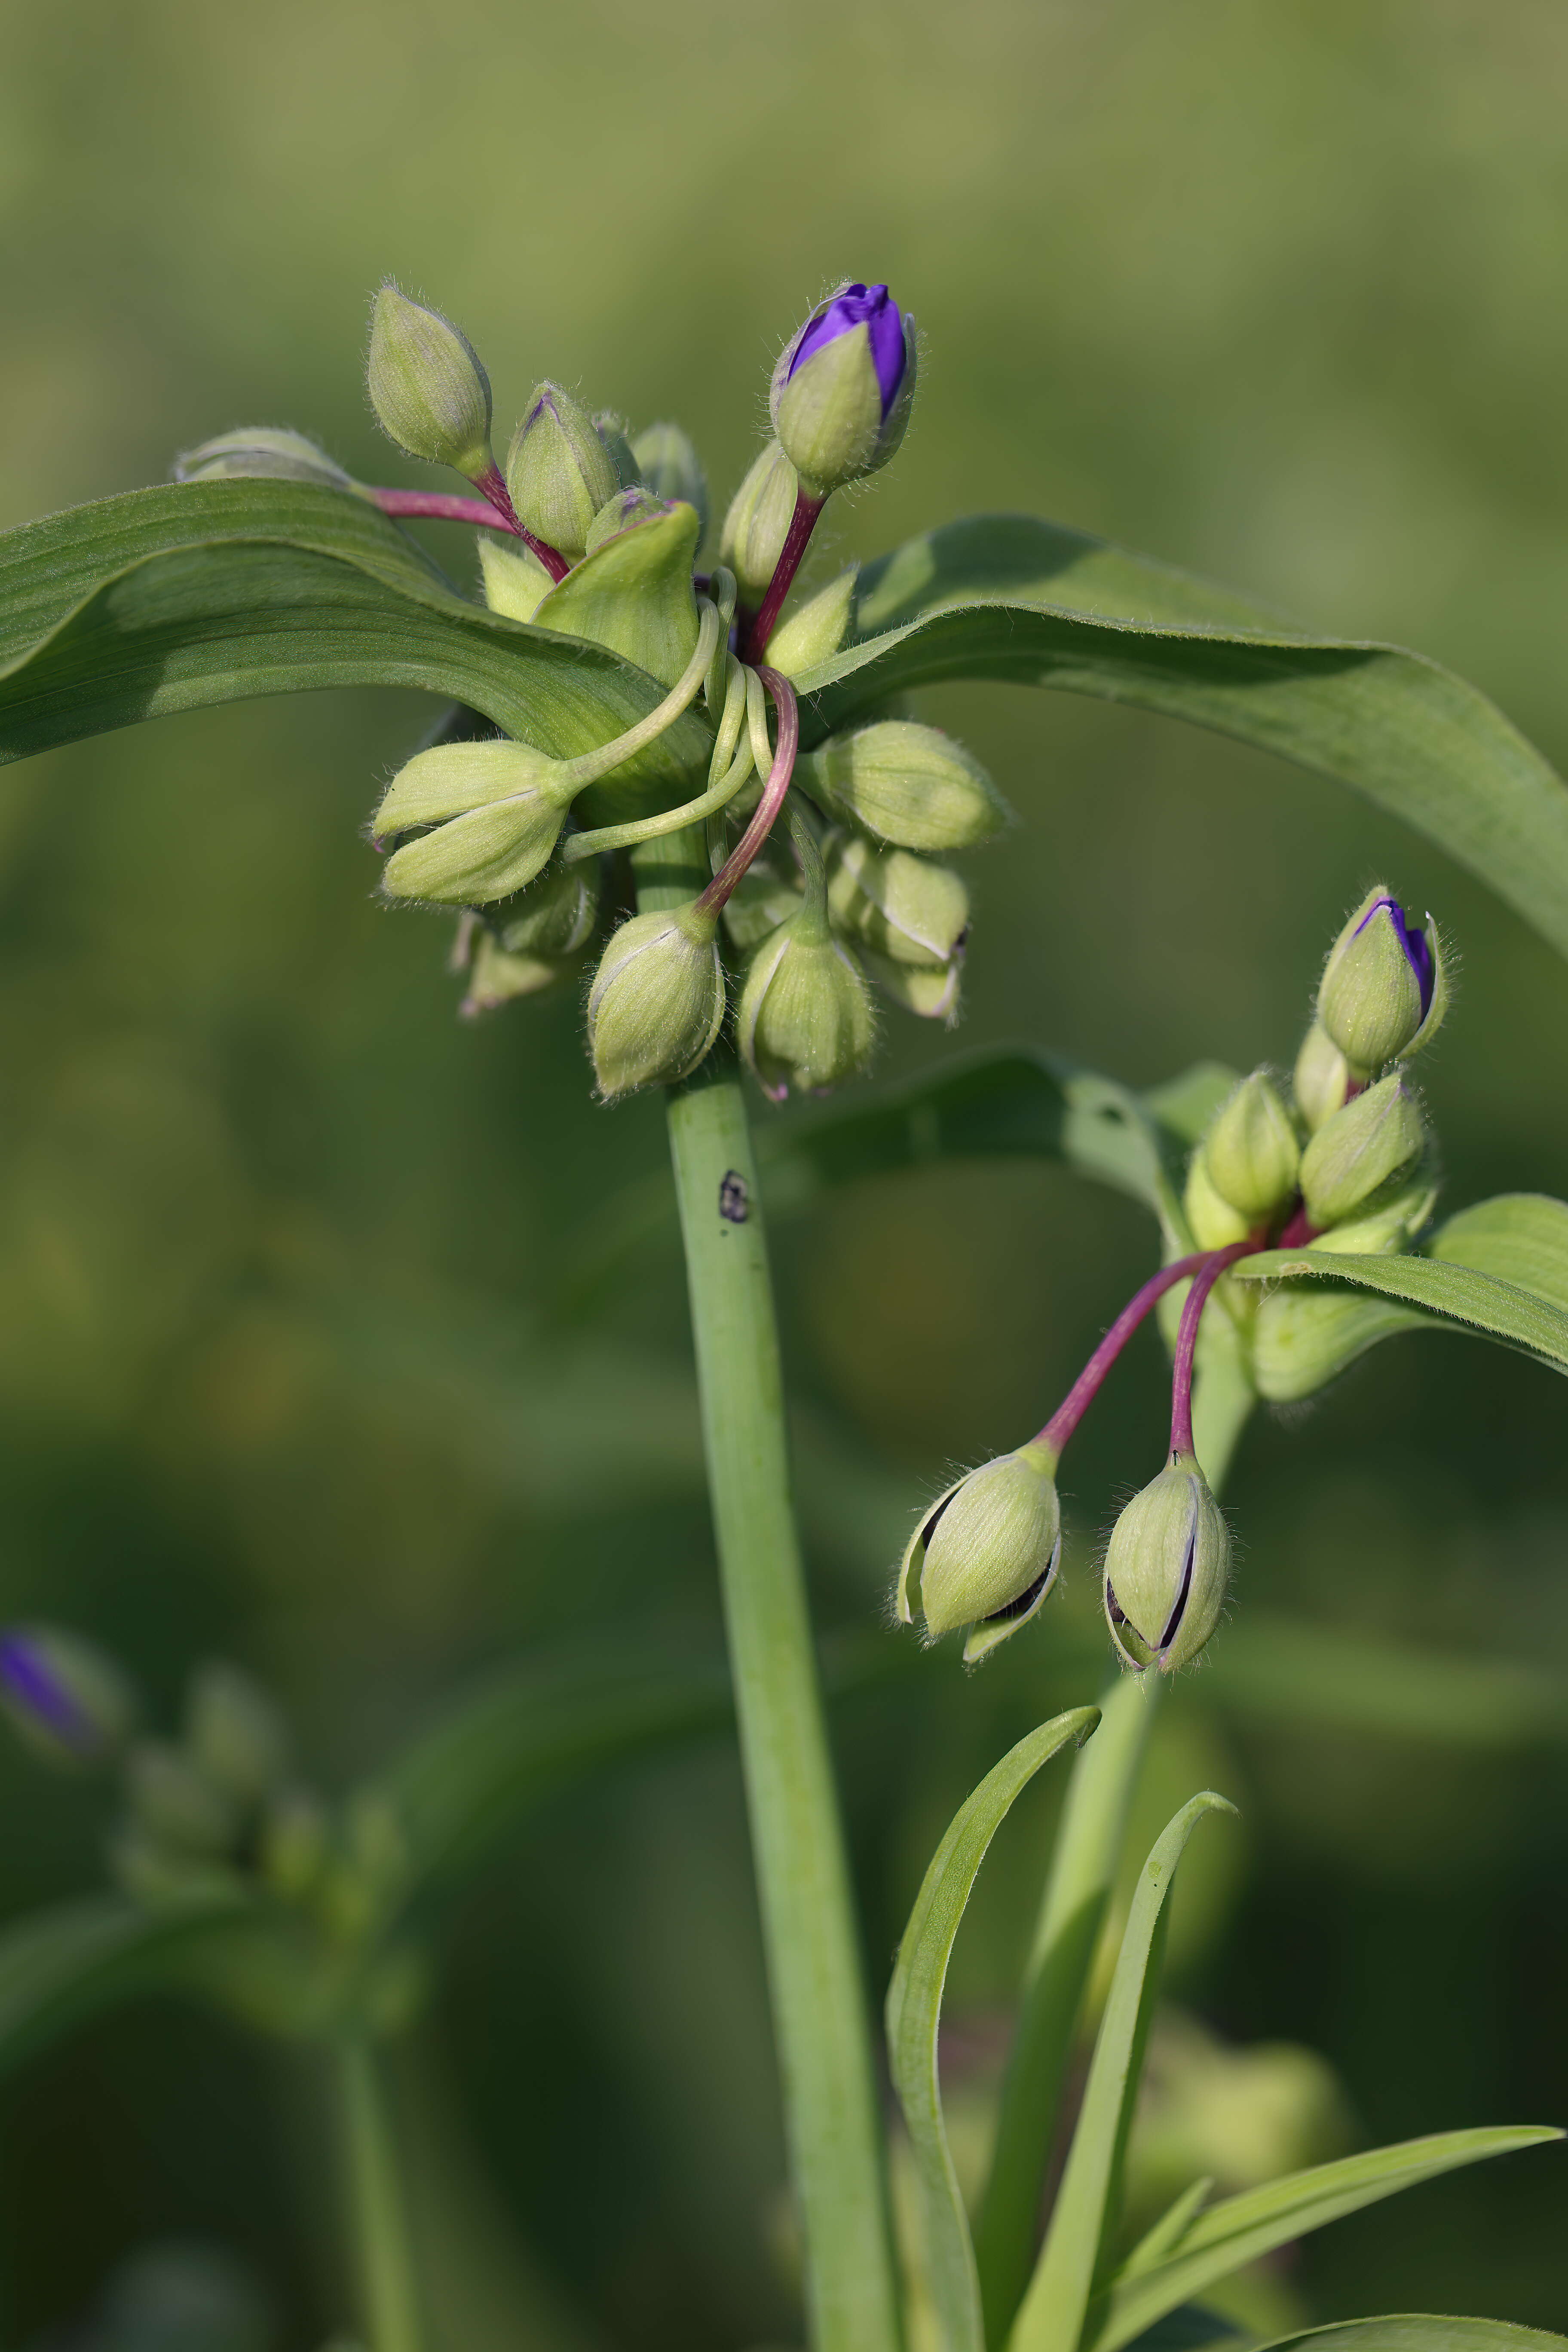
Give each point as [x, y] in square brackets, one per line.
[25, 1674]
[870, 307]
[1415, 942]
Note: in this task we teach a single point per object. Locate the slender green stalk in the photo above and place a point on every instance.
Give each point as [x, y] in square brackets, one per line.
[389, 2295]
[814, 1966]
[1083, 1870]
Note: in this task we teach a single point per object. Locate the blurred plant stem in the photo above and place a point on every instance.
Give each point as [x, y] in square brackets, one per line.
[1084, 1859]
[377, 2211]
[821, 2022]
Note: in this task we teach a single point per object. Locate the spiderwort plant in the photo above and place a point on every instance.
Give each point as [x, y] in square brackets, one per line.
[636, 740]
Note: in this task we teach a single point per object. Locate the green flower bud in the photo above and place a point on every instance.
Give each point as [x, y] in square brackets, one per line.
[68, 1702]
[842, 388]
[1250, 1152]
[496, 978]
[554, 915]
[1307, 1333]
[1383, 991]
[263, 451]
[559, 471]
[634, 593]
[933, 996]
[174, 1804]
[1166, 1569]
[806, 1016]
[760, 902]
[657, 999]
[1211, 1220]
[669, 463]
[813, 634]
[1321, 1079]
[907, 783]
[985, 1554]
[293, 1842]
[235, 1735]
[1389, 1226]
[496, 811]
[428, 391]
[626, 508]
[894, 903]
[1363, 1147]
[758, 522]
[612, 432]
[516, 583]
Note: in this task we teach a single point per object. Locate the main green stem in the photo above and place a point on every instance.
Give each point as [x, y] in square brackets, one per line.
[820, 2015]
[389, 2295]
[797, 1839]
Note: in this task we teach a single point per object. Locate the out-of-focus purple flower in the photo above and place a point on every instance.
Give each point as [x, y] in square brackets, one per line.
[62, 1695]
[842, 389]
[873, 308]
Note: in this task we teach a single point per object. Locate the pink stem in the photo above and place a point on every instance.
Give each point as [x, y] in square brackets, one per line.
[494, 511]
[718, 891]
[1299, 1231]
[1087, 1386]
[802, 523]
[1208, 1274]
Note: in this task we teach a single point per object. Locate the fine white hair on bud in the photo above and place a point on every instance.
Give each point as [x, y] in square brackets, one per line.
[985, 1554]
[1166, 1569]
[430, 393]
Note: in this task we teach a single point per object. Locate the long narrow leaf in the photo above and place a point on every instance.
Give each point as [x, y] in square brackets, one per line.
[914, 2014]
[1457, 1297]
[1416, 2331]
[1052, 2316]
[1005, 596]
[1239, 2229]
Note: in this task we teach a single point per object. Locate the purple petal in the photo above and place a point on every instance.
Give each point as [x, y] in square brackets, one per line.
[1413, 941]
[872, 308]
[27, 1676]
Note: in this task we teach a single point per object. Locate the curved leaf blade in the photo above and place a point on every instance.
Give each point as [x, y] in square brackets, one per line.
[914, 2014]
[1453, 1297]
[1240, 2229]
[1415, 2331]
[1052, 2315]
[68, 1965]
[204, 592]
[1005, 597]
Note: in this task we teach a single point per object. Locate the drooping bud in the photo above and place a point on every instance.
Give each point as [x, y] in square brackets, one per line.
[806, 1017]
[1213, 1222]
[496, 811]
[516, 583]
[1166, 1569]
[985, 1554]
[235, 1737]
[429, 393]
[667, 463]
[894, 903]
[1375, 1139]
[1382, 992]
[932, 996]
[758, 522]
[496, 978]
[1250, 1152]
[842, 388]
[612, 431]
[906, 783]
[760, 902]
[814, 633]
[554, 915]
[657, 1003]
[261, 452]
[66, 1699]
[558, 470]
[1307, 1333]
[626, 508]
[1321, 1079]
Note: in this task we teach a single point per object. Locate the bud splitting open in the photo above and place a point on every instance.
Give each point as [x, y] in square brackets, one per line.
[1384, 991]
[1166, 1569]
[842, 388]
[985, 1554]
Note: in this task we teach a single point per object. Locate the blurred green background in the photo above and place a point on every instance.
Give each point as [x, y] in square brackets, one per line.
[1270, 289]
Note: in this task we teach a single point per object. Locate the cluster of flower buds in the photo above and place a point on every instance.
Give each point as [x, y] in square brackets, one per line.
[1340, 1159]
[824, 889]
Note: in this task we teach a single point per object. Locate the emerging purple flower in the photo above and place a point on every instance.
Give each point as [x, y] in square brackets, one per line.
[63, 1696]
[32, 1684]
[1415, 942]
[870, 307]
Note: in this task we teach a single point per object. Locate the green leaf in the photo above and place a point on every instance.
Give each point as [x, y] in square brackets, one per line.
[1453, 1297]
[1519, 1237]
[65, 1965]
[1005, 596]
[1240, 2229]
[1052, 2316]
[457, 1792]
[914, 2014]
[202, 593]
[1418, 2332]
